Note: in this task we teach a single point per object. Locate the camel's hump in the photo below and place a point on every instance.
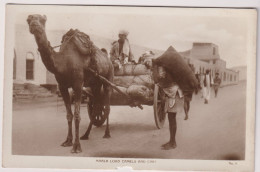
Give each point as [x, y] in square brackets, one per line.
[82, 41]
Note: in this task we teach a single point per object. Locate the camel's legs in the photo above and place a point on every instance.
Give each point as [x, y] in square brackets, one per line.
[107, 95]
[107, 132]
[86, 135]
[66, 98]
[76, 145]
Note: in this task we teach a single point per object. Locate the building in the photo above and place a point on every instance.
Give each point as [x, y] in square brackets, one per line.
[27, 63]
[205, 56]
[28, 66]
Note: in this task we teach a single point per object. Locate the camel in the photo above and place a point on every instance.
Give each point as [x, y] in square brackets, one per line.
[70, 67]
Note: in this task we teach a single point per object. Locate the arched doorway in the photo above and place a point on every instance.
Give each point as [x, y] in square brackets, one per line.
[29, 66]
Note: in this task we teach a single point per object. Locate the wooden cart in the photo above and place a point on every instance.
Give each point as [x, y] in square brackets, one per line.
[98, 115]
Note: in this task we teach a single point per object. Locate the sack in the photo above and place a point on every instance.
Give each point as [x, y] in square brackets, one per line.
[178, 69]
[140, 93]
[132, 69]
[126, 81]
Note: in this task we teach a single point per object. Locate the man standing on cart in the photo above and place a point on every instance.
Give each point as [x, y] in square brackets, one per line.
[120, 52]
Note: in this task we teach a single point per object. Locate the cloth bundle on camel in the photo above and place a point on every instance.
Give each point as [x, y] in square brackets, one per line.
[82, 41]
[178, 68]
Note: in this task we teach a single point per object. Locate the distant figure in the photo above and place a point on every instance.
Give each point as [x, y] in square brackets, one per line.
[146, 59]
[197, 75]
[104, 51]
[146, 56]
[120, 52]
[217, 82]
[188, 97]
[201, 83]
[192, 67]
[207, 85]
[187, 100]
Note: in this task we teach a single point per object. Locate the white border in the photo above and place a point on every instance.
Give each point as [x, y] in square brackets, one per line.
[195, 3]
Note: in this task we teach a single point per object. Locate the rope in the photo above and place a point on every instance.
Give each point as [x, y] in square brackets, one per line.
[66, 40]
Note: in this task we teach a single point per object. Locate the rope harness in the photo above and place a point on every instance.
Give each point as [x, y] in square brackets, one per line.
[65, 42]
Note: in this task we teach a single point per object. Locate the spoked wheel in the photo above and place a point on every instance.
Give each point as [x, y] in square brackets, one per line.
[97, 113]
[158, 107]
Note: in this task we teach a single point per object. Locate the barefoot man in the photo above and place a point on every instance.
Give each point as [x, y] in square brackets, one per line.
[174, 103]
[174, 76]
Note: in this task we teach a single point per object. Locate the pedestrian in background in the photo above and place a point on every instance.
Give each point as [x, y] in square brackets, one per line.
[207, 85]
[217, 82]
[201, 83]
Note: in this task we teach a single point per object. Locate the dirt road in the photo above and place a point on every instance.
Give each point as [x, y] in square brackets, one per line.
[213, 131]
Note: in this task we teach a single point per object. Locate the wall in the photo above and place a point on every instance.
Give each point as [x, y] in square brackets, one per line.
[25, 44]
[227, 76]
[204, 51]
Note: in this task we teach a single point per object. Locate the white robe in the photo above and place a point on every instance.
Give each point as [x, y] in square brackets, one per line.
[206, 90]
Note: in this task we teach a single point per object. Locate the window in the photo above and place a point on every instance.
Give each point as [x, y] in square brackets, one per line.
[231, 78]
[29, 66]
[14, 65]
[214, 51]
[235, 78]
[224, 76]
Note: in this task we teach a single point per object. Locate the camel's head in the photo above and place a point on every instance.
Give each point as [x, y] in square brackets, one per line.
[36, 23]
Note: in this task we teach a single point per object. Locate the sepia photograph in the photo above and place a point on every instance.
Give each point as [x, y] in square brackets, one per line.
[154, 88]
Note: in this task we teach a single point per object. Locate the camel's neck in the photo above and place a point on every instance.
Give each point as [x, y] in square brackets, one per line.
[46, 51]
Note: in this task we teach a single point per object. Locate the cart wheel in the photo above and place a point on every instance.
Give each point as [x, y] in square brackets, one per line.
[97, 113]
[158, 107]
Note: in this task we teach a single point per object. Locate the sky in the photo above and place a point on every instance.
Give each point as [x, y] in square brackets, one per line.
[156, 28]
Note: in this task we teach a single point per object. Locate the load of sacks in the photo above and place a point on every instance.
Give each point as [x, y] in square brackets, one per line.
[137, 80]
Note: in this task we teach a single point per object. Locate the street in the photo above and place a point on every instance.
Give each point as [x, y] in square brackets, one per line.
[214, 131]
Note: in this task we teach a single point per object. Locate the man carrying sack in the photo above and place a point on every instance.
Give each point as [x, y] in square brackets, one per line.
[120, 52]
[175, 77]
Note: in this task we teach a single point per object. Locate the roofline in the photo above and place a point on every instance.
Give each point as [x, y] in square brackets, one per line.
[205, 43]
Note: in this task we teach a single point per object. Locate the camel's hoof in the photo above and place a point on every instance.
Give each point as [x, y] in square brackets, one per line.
[84, 137]
[67, 143]
[186, 118]
[76, 148]
[106, 136]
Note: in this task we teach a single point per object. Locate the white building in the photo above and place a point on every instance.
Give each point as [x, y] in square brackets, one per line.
[28, 66]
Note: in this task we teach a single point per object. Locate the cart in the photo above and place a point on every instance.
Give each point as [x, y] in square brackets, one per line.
[98, 114]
